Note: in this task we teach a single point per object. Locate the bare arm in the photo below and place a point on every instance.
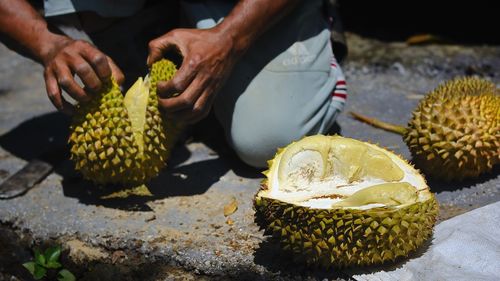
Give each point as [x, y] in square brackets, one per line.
[22, 23]
[61, 56]
[210, 54]
[249, 19]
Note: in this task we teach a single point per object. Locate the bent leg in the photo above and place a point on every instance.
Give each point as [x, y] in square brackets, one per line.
[298, 92]
[286, 86]
[276, 109]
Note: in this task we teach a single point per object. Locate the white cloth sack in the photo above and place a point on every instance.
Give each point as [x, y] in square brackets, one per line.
[466, 247]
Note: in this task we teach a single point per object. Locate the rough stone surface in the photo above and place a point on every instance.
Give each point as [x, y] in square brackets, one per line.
[181, 232]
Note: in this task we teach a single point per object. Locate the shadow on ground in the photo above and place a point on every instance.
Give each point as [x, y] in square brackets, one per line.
[438, 186]
[184, 180]
[274, 259]
[180, 178]
[270, 255]
[45, 137]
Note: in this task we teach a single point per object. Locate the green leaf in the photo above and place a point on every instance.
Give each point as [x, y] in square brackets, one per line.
[53, 264]
[30, 266]
[40, 272]
[52, 255]
[39, 258]
[65, 275]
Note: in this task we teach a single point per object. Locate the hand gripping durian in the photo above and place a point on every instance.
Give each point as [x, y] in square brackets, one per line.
[123, 140]
[335, 201]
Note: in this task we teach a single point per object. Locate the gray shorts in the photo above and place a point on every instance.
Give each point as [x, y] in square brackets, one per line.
[286, 86]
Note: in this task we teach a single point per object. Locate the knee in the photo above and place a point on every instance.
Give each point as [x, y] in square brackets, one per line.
[255, 156]
[256, 148]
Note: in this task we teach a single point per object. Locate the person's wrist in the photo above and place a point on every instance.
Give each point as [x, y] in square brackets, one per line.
[238, 41]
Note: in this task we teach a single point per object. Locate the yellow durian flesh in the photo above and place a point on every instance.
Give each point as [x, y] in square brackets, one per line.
[136, 102]
[321, 169]
[388, 194]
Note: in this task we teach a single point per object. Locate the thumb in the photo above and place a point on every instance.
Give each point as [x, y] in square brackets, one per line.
[159, 46]
[155, 54]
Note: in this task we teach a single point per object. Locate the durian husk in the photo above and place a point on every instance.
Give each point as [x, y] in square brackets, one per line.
[104, 144]
[347, 237]
[454, 132]
[344, 237]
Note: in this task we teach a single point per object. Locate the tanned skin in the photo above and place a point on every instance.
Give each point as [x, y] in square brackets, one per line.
[61, 56]
[209, 55]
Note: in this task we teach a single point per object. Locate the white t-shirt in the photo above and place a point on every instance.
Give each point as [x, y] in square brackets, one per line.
[105, 8]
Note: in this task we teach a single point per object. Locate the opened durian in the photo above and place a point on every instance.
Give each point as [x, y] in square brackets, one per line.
[335, 201]
[117, 139]
[455, 130]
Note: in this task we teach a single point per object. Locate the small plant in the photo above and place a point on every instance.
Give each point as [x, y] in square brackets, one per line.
[46, 261]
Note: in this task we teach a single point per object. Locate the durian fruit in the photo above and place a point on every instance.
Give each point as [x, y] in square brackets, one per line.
[335, 201]
[123, 140]
[455, 130]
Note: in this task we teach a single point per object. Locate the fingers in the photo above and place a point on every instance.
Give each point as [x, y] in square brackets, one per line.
[103, 65]
[199, 111]
[98, 61]
[207, 62]
[68, 84]
[54, 94]
[116, 72]
[159, 46]
[182, 79]
[193, 90]
[194, 100]
[155, 52]
[87, 74]
[193, 104]
[89, 64]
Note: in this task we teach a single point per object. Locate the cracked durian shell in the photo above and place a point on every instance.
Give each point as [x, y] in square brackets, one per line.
[125, 140]
[334, 201]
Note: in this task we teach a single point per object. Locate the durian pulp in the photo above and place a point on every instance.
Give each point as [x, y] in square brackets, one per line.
[322, 172]
[136, 102]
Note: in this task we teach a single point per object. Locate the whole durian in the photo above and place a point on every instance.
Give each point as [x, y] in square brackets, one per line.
[334, 201]
[455, 130]
[126, 140]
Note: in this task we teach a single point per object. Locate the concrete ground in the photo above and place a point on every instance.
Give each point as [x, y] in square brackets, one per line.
[180, 232]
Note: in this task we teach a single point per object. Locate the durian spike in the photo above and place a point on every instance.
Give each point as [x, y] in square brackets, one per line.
[379, 124]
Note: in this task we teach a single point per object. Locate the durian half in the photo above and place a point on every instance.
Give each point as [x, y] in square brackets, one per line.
[335, 201]
[125, 140]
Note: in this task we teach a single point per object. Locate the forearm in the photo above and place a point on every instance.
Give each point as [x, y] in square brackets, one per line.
[20, 22]
[250, 18]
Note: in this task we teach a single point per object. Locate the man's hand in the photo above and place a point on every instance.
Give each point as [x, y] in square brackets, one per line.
[209, 57]
[62, 57]
[74, 57]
